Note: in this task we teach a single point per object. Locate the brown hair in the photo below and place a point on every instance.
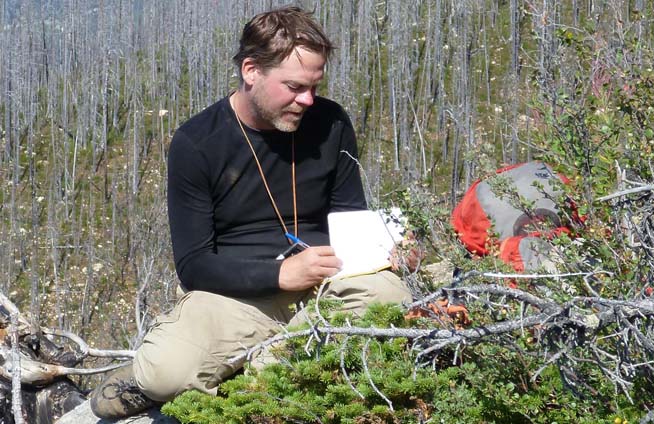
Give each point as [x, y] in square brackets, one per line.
[271, 37]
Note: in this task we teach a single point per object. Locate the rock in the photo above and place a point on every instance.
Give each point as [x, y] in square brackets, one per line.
[440, 272]
[83, 415]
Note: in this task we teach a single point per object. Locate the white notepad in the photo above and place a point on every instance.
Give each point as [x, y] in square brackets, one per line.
[363, 240]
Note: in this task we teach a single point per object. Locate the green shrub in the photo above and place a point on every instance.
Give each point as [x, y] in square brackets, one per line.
[489, 383]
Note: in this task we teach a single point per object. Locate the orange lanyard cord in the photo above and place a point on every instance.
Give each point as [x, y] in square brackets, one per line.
[293, 182]
[265, 182]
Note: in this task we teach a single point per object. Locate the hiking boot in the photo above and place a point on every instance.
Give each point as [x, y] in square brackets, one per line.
[118, 395]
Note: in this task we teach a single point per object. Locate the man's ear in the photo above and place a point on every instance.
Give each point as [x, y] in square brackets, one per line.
[249, 70]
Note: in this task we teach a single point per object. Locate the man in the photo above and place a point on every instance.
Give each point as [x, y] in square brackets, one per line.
[270, 159]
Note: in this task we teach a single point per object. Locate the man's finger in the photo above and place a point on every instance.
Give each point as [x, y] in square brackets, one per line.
[330, 262]
[329, 271]
[324, 250]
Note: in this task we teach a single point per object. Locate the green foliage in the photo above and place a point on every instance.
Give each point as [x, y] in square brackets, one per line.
[592, 123]
[426, 215]
[489, 384]
[597, 130]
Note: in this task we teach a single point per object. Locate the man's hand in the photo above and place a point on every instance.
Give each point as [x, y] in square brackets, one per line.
[408, 254]
[308, 268]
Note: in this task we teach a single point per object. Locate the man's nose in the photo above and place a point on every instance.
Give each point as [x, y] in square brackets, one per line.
[305, 98]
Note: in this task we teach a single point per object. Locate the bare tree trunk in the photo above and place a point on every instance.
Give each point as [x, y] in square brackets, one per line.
[514, 77]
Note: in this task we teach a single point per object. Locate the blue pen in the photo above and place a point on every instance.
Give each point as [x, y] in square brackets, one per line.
[294, 239]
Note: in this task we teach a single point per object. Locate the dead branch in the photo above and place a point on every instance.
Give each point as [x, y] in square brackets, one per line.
[554, 314]
[86, 350]
[342, 351]
[16, 398]
[627, 192]
[34, 370]
[560, 328]
[364, 361]
[38, 373]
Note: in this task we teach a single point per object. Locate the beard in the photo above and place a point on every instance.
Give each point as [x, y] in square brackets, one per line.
[286, 119]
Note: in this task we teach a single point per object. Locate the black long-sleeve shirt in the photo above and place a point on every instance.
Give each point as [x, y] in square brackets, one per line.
[224, 230]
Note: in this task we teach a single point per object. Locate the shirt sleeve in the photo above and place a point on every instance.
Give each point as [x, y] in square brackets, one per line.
[199, 265]
[347, 193]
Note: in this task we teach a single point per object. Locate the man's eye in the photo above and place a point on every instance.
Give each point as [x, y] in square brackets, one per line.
[294, 87]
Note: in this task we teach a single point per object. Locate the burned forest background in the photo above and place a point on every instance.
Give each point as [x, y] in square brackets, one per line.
[440, 92]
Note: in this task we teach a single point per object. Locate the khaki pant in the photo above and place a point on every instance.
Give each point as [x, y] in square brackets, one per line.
[188, 348]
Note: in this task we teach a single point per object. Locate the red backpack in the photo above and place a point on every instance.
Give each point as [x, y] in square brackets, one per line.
[489, 214]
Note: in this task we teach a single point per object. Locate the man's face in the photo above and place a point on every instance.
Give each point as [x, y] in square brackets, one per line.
[282, 94]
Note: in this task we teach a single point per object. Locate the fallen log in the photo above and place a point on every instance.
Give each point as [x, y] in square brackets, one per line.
[42, 391]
